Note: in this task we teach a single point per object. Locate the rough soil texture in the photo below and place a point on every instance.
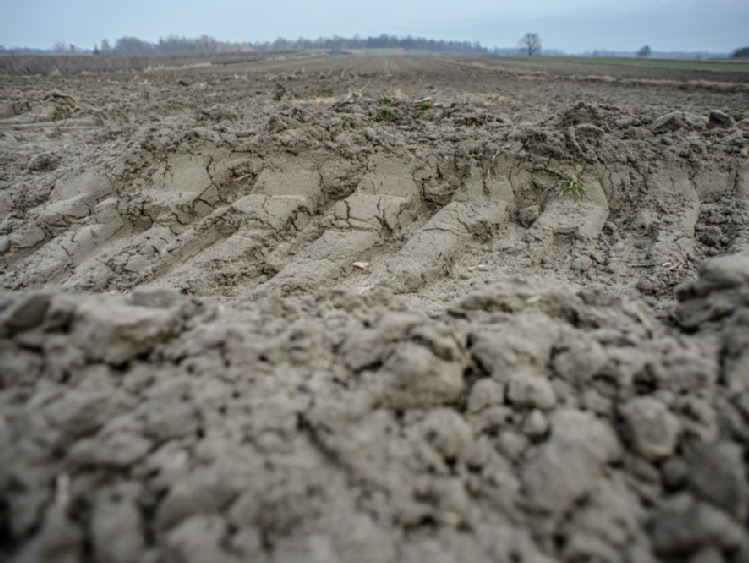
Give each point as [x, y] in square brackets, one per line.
[334, 309]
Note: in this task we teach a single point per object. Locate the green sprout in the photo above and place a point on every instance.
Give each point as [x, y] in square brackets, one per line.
[572, 186]
[385, 114]
[425, 106]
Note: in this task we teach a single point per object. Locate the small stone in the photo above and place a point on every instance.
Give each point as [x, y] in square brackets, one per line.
[645, 286]
[653, 430]
[275, 124]
[720, 119]
[528, 215]
[582, 263]
[644, 221]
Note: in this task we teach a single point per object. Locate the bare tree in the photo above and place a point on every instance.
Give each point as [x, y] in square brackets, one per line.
[645, 51]
[530, 44]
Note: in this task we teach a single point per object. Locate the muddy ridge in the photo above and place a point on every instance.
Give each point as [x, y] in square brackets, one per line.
[337, 309]
[428, 176]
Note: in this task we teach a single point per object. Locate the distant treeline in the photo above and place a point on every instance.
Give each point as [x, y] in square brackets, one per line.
[407, 43]
[206, 44]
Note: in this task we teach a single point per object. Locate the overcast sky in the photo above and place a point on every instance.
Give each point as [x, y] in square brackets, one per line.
[571, 25]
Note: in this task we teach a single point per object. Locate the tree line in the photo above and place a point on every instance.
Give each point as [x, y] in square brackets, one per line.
[206, 44]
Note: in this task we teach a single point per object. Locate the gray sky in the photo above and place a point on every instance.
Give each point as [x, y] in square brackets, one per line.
[572, 25]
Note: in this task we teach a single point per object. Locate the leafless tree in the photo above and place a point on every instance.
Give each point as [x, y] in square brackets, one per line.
[530, 44]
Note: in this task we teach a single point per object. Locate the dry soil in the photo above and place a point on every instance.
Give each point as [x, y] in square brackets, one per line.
[336, 309]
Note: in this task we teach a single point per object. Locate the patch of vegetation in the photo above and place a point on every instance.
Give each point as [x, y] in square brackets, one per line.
[572, 186]
[424, 106]
[385, 114]
[646, 62]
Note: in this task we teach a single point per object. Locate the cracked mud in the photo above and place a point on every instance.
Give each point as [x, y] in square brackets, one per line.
[247, 319]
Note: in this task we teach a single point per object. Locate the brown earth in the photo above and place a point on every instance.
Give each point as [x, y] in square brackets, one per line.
[355, 320]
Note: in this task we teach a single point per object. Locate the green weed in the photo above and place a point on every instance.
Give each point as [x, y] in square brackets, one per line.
[572, 186]
[385, 114]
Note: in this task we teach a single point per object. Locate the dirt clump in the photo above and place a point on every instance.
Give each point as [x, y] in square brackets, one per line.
[355, 427]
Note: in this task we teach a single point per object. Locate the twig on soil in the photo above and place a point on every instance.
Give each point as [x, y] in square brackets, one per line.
[62, 491]
[645, 322]
[352, 95]
[674, 266]
[491, 166]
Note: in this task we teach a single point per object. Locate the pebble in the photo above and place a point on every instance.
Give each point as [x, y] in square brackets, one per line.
[652, 429]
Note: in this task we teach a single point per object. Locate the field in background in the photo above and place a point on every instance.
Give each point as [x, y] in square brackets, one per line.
[36, 64]
[42, 64]
[713, 66]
